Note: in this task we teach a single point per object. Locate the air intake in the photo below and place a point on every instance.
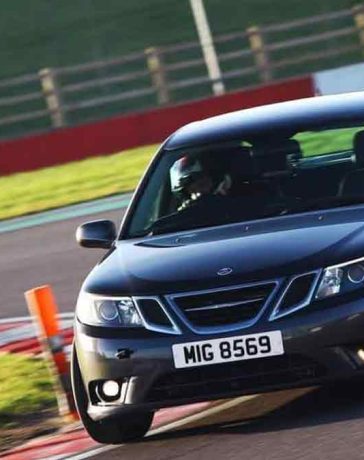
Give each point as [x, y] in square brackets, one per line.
[155, 316]
[297, 294]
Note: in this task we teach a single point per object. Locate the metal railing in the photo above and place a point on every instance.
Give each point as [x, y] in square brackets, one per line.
[58, 97]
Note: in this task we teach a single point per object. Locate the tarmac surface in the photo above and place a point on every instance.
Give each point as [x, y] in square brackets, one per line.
[297, 424]
[46, 254]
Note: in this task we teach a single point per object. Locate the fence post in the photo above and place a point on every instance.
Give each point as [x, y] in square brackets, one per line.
[259, 50]
[52, 96]
[207, 46]
[158, 74]
[358, 13]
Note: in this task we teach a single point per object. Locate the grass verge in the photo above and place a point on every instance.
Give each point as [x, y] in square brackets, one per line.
[27, 405]
[71, 183]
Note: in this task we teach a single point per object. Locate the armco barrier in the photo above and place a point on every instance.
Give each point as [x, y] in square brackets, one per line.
[119, 133]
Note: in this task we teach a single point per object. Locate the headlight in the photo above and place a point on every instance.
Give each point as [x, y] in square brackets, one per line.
[107, 311]
[341, 278]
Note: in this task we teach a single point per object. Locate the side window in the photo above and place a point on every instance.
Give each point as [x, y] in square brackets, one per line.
[328, 141]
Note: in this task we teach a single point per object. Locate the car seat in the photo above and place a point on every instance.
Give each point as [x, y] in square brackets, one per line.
[353, 182]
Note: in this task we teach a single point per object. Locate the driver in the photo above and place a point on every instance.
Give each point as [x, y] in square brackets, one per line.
[193, 182]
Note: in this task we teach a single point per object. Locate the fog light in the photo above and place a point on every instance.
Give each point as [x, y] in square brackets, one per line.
[110, 388]
[360, 354]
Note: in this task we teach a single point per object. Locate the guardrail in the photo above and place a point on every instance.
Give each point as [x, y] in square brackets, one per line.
[65, 96]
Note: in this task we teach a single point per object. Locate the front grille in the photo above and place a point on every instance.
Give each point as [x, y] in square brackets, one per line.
[224, 307]
[245, 376]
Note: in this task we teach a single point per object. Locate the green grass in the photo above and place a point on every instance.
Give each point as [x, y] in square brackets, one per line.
[318, 143]
[25, 388]
[72, 183]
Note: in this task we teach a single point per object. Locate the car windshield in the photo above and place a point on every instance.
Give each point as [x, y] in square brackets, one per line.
[251, 179]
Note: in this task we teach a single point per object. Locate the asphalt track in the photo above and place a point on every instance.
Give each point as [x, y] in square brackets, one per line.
[45, 254]
[305, 424]
[299, 424]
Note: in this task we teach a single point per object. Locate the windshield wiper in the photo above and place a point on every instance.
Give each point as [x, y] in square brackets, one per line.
[176, 222]
[327, 203]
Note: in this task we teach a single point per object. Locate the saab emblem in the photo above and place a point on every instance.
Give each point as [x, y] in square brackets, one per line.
[225, 271]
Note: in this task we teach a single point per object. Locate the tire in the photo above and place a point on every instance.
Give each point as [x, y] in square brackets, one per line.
[113, 431]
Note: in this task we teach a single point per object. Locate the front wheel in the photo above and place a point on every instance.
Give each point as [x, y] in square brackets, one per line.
[113, 431]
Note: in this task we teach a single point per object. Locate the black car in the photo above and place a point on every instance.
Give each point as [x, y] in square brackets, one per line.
[238, 268]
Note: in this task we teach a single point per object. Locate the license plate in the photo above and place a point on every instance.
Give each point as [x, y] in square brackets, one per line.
[229, 349]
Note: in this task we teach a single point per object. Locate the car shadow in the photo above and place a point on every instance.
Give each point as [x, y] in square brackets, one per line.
[319, 406]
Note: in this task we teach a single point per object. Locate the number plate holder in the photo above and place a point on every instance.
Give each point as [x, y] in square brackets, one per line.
[228, 349]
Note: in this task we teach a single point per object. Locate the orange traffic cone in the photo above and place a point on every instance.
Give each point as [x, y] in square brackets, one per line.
[44, 310]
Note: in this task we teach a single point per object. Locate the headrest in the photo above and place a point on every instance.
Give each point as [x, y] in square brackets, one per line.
[292, 146]
[358, 146]
[272, 154]
[353, 184]
[277, 147]
[238, 161]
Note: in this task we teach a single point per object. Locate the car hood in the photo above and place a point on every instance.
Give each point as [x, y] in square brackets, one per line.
[259, 250]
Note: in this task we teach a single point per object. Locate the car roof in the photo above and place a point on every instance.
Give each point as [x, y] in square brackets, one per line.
[281, 119]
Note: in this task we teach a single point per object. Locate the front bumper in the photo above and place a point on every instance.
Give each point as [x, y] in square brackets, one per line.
[320, 346]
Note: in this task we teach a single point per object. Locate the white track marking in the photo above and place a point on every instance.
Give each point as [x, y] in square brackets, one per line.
[201, 415]
[89, 454]
[116, 202]
[21, 319]
[27, 331]
[170, 426]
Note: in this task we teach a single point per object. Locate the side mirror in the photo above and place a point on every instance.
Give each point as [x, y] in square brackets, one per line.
[96, 234]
